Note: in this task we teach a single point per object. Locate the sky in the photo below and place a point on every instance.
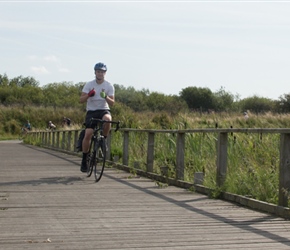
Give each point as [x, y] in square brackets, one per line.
[242, 47]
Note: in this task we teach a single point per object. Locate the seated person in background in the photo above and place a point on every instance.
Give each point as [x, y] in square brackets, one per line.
[51, 125]
[65, 121]
[27, 126]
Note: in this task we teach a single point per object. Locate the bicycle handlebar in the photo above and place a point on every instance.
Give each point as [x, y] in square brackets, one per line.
[117, 123]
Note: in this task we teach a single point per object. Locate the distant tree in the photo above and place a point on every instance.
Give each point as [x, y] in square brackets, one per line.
[144, 100]
[4, 94]
[156, 101]
[161, 102]
[257, 104]
[175, 104]
[283, 103]
[123, 94]
[4, 81]
[32, 95]
[21, 81]
[223, 101]
[198, 98]
[64, 94]
[19, 90]
[136, 100]
[26, 91]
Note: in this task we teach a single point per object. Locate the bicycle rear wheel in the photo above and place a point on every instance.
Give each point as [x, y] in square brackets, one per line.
[100, 160]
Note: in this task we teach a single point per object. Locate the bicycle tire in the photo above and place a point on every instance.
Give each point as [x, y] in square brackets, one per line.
[90, 163]
[100, 160]
[91, 157]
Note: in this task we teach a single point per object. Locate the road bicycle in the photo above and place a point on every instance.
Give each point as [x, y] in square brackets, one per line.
[96, 158]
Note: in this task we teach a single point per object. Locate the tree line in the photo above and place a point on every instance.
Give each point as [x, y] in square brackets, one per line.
[27, 91]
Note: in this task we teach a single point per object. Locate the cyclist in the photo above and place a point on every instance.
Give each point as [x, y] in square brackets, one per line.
[99, 95]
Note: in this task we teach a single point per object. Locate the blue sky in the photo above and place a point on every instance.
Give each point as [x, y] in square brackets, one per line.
[163, 46]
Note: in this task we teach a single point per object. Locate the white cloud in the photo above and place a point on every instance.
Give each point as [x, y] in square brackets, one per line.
[50, 63]
[39, 70]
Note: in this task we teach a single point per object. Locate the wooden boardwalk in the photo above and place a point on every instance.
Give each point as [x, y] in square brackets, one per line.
[47, 203]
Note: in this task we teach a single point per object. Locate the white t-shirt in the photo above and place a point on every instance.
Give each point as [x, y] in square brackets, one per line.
[96, 102]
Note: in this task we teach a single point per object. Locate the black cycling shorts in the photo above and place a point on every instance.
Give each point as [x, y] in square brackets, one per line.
[98, 114]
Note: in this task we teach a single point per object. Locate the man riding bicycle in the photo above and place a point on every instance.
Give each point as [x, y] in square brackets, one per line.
[99, 95]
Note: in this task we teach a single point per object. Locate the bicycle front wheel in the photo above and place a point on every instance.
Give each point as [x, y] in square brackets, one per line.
[91, 159]
[100, 160]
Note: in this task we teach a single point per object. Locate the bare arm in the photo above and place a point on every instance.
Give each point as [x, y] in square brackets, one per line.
[110, 100]
[84, 97]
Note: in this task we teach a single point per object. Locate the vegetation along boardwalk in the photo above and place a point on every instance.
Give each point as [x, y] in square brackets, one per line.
[47, 203]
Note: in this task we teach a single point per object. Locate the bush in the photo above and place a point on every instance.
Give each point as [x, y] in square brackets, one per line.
[12, 127]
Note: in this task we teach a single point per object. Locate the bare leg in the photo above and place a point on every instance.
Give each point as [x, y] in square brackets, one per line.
[107, 126]
[86, 140]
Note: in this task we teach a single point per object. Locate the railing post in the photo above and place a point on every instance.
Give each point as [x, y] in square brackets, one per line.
[222, 154]
[57, 139]
[43, 135]
[284, 171]
[63, 140]
[69, 140]
[53, 139]
[76, 137]
[48, 142]
[150, 152]
[180, 149]
[126, 148]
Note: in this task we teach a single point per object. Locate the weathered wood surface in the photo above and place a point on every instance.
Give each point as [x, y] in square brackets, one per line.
[46, 203]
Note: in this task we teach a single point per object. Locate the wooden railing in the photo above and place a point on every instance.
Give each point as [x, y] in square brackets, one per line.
[66, 140]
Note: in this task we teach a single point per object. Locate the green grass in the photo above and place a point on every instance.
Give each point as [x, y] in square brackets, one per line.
[253, 161]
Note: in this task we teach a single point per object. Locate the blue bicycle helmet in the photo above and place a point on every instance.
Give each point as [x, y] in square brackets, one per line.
[100, 66]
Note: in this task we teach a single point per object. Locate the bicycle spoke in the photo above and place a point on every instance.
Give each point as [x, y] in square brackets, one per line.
[91, 158]
[100, 161]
